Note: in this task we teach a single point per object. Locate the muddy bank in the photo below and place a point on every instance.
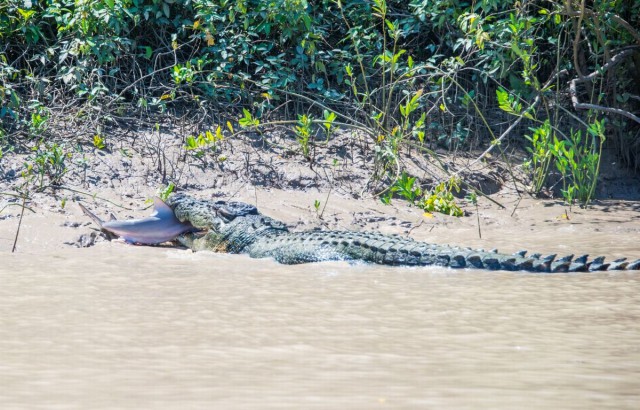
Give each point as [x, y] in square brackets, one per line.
[335, 190]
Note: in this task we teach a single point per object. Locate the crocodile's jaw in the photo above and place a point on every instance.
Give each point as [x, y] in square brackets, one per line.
[203, 241]
[229, 227]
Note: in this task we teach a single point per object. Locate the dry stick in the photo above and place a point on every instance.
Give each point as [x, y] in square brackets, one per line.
[255, 194]
[14, 204]
[95, 196]
[615, 60]
[576, 40]
[15, 240]
[614, 17]
[326, 200]
[416, 227]
[502, 136]
[478, 218]
[153, 73]
[516, 207]
[440, 165]
[12, 194]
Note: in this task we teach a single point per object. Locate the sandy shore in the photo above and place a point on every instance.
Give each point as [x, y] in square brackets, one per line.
[286, 186]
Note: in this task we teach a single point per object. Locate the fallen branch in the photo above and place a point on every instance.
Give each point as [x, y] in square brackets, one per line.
[615, 60]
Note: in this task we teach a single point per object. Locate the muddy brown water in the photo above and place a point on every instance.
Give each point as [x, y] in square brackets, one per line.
[125, 327]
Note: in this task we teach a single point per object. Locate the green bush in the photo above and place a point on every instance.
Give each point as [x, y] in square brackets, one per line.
[412, 73]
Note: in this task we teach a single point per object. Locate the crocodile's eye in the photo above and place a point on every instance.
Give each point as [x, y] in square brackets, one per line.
[224, 212]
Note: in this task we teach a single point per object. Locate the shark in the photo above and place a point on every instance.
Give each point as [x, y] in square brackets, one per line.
[159, 227]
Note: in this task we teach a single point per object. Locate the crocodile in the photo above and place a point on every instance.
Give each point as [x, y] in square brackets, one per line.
[237, 227]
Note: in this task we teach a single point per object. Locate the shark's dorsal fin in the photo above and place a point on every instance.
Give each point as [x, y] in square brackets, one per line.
[91, 215]
[161, 210]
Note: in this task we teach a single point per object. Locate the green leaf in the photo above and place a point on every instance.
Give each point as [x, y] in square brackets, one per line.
[26, 14]
[507, 104]
[516, 49]
[390, 25]
[98, 142]
[190, 143]
[397, 56]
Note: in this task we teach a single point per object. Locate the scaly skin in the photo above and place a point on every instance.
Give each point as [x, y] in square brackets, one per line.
[236, 227]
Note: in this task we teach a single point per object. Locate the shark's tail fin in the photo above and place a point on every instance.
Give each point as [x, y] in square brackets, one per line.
[91, 215]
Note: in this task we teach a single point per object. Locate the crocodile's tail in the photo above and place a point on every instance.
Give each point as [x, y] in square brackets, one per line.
[537, 262]
[454, 257]
[303, 247]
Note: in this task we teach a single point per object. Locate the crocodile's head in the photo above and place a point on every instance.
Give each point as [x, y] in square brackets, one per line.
[224, 226]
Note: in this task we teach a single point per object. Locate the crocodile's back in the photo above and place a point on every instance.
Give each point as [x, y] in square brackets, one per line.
[315, 246]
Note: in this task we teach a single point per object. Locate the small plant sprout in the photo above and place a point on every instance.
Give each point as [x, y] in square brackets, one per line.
[204, 141]
[247, 121]
[329, 118]
[99, 142]
[164, 192]
[303, 134]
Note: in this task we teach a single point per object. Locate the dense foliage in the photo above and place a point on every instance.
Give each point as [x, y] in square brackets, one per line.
[416, 72]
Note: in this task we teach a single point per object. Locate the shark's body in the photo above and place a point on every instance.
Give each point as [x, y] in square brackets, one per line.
[161, 226]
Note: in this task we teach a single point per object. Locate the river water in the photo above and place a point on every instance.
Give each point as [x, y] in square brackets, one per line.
[126, 327]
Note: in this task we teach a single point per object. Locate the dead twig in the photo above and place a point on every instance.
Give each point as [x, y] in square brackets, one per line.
[15, 240]
[615, 60]
[502, 136]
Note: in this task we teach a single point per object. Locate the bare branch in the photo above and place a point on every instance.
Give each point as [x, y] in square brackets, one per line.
[584, 106]
[613, 17]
